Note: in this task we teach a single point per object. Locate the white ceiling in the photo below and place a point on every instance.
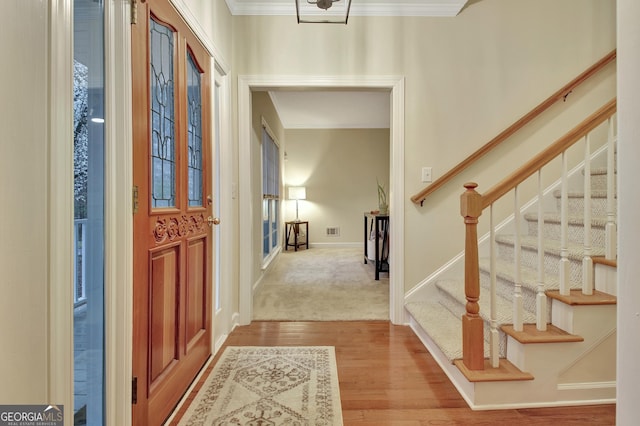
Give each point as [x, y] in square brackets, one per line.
[358, 7]
[333, 109]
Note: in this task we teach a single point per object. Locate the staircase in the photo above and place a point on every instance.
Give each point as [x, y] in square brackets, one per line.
[569, 357]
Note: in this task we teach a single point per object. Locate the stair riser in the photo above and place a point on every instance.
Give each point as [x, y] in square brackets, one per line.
[599, 182]
[552, 231]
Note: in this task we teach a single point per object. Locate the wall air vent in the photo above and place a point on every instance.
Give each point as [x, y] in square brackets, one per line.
[333, 231]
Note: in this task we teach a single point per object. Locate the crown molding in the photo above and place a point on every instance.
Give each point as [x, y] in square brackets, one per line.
[435, 8]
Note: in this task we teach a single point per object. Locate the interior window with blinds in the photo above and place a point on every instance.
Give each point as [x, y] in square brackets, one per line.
[270, 193]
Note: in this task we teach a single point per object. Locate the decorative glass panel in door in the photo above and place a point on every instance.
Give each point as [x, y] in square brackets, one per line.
[162, 116]
[194, 116]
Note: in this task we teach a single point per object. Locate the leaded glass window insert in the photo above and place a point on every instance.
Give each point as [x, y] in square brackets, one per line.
[194, 111]
[163, 161]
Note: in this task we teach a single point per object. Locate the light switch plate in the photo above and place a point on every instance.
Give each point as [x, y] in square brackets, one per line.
[426, 174]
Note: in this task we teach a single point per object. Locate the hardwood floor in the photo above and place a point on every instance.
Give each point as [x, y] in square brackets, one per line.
[387, 377]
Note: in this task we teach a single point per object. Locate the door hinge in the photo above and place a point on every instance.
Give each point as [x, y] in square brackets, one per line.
[134, 390]
[134, 10]
[134, 199]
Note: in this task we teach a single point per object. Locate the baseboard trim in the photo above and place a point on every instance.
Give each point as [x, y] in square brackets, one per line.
[218, 343]
[588, 385]
[358, 244]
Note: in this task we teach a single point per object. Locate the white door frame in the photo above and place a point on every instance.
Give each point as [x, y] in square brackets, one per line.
[248, 83]
[224, 200]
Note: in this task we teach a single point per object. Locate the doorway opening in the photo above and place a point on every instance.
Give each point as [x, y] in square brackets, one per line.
[248, 84]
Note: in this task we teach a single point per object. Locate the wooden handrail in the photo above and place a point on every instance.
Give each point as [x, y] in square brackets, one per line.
[544, 157]
[505, 134]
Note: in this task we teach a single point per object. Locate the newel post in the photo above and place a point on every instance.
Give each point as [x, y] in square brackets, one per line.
[472, 324]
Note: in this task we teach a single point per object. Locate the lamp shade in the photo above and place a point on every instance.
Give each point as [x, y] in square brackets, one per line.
[297, 193]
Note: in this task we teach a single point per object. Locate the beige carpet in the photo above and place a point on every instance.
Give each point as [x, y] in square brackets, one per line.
[270, 386]
[322, 284]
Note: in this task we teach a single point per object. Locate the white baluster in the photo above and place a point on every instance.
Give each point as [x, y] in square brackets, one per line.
[517, 293]
[541, 298]
[587, 261]
[565, 285]
[611, 230]
[494, 337]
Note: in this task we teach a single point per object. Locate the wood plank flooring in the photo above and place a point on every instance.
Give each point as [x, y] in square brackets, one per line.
[387, 377]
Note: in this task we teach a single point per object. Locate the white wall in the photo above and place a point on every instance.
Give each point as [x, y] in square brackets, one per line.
[339, 168]
[24, 236]
[628, 377]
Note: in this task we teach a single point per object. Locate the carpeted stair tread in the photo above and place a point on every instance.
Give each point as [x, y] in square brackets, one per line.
[529, 276]
[575, 251]
[504, 307]
[580, 194]
[555, 218]
[596, 171]
[444, 328]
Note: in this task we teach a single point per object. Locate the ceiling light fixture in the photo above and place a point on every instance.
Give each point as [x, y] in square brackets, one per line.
[318, 11]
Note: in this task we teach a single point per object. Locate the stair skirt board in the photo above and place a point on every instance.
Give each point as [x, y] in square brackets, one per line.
[500, 395]
[464, 387]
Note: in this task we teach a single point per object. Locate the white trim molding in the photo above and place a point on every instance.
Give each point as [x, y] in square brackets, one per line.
[395, 84]
[245, 209]
[201, 34]
[118, 266]
[60, 204]
[436, 8]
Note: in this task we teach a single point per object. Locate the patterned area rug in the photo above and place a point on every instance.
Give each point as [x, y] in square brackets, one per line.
[277, 385]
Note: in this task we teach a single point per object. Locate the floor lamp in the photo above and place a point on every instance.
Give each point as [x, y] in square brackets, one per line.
[297, 193]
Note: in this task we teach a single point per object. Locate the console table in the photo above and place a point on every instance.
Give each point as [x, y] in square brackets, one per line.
[293, 227]
[378, 225]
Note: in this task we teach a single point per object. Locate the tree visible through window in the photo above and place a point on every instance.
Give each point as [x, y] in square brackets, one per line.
[80, 139]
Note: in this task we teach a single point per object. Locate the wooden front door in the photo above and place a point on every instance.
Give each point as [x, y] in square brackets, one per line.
[172, 226]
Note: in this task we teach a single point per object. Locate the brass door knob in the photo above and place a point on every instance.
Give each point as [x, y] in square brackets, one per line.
[213, 221]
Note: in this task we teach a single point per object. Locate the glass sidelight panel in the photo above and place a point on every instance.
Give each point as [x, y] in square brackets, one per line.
[163, 156]
[194, 111]
[88, 156]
